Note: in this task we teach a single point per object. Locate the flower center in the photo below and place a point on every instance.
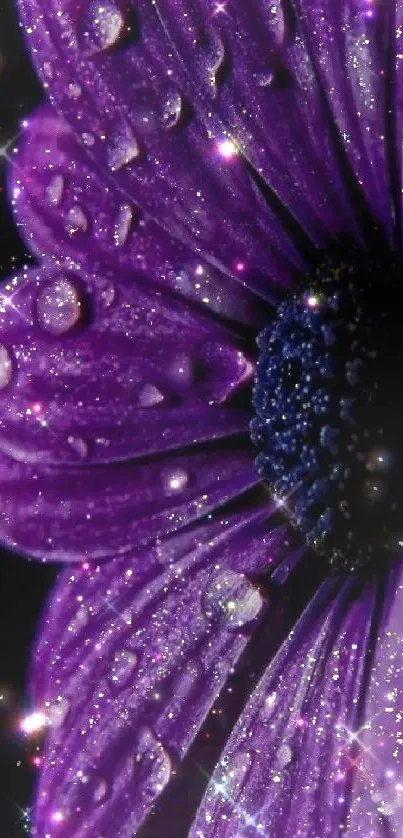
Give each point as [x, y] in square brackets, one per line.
[328, 402]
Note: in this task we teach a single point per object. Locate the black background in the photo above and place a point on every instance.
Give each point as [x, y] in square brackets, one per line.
[23, 585]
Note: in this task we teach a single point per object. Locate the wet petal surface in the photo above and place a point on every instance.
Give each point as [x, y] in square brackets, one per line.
[377, 795]
[287, 767]
[354, 46]
[200, 131]
[131, 656]
[127, 371]
[179, 173]
[97, 379]
[65, 207]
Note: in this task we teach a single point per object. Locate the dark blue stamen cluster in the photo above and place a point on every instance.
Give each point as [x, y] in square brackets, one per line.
[328, 402]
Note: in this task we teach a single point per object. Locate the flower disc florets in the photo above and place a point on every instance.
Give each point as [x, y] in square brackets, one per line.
[328, 401]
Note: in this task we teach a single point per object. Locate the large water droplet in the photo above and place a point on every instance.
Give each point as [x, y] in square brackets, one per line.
[121, 671]
[122, 224]
[122, 150]
[75, 220]
[150, 396]
[152, 765]
[59, 306]
[231, 599]
[79, 445]
[174, 480]
[54, 190]
[6, 367]
[101, 26]
[172, 110]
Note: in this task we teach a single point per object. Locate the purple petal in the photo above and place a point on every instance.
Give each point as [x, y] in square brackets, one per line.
[377, 795]
[86, 513]
[97, 378]
[353, 47]
[66, 208]
[286, 770]
[115, 76]
[102, 369]
[224, 535]
[252, 65]
[131, 657]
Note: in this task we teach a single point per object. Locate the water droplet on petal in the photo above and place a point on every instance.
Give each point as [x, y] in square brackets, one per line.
[122, 150]
[79, 620]
[88, 139]
[123, 224]
[58, 712]
[150, 396]
[152, 765]
[78, 445]
[283, 756]
[48, 70]
[231, 599]
[74, 91]
[233, 774]
[75, 221]
[6, 367]
[216, 58]
[108, 294]
[172, 110]
[54, 190]
[123, 666]
[269, 706]
[181, 369]
[165, 551]
[265, 79]
[59, 306]
[190, 683]
[101, 26]
[179, 279]
[387, 808]
[100, 791]
[175, 480]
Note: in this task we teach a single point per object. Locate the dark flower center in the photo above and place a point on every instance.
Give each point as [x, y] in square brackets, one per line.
[328, 402]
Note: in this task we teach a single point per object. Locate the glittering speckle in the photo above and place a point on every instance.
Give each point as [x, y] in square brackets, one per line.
[175, 480]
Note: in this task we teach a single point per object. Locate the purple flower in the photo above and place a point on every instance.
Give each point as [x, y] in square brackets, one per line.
[218, 204]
